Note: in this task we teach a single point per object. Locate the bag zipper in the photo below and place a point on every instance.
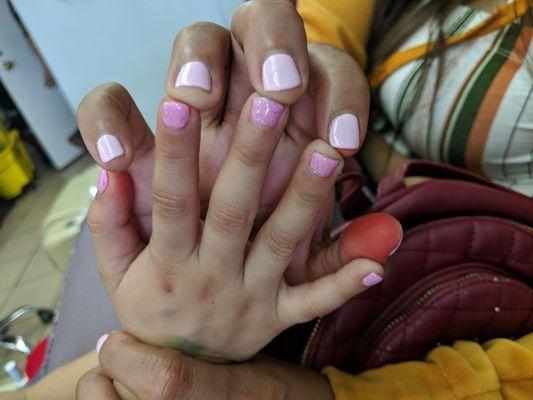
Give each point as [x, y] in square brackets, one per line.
[527, 228]
[423, 299]
[314, 332]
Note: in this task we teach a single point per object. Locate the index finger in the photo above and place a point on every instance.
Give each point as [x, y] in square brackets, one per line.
[273, 39]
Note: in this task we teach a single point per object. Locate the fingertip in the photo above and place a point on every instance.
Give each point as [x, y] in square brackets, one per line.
[373, 236]
[323, 160]
[174, 115]
[112, 127]
[363, 272]
[273, 39]
[199, 65]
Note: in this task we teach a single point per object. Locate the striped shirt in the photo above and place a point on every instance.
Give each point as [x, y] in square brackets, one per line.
[481, 116]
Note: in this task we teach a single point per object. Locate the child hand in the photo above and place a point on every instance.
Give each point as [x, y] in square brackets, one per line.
[203, 288]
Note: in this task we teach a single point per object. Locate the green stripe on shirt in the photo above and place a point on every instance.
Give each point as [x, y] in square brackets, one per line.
[467, 114]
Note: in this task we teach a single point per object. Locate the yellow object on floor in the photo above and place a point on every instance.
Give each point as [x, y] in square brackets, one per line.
[16, 167]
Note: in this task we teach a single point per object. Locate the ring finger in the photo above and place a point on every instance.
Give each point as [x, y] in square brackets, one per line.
[295, 215]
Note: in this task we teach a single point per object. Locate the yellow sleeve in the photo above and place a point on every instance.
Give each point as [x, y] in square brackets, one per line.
[341, 23]
[500, 368]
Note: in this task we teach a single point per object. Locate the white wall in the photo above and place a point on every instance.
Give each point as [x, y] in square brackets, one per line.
[88, 42]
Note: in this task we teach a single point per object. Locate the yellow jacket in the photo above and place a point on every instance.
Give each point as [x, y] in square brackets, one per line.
[498, 369]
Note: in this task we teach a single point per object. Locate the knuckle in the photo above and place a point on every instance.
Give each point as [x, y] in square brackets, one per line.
[117, 340]
[94, 222]
[252, 13]
[85, 385]
[334, 73]
[239, 15]
[329, 261]
[227, 218]
[170, 156]
[103, 94]
[281, 243]
[284, 10]
[307, 196]
[326, 51]
[249, 155]
[196, 30]
[169, 205]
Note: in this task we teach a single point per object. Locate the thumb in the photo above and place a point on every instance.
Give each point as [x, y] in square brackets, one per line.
[373, 236]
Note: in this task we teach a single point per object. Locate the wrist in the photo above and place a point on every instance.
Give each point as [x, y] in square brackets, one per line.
[291, 381]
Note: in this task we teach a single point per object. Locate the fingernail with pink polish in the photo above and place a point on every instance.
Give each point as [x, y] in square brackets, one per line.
[372, 279]
[344, 132]
[266, 112]
[175, 115]
[109, 147]
[322, 166]
[280, 73]
[100, 342]
[102, 181]
[194, 74]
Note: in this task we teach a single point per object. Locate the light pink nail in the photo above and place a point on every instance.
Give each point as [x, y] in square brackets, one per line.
[194, 74]
[280, 73]
[175, 115]
[322, 166]
[100, 342]
[102, 181]
[109, 147]
[266, 112]
[344, 132]
[372, 279]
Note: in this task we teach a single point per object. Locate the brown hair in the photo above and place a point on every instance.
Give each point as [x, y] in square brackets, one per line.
[396, 20]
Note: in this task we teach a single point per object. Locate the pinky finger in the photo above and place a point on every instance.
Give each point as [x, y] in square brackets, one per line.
[115, 238]
[302, 303]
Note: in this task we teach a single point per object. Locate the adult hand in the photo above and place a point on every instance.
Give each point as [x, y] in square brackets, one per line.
[215, 70]
[149, 372]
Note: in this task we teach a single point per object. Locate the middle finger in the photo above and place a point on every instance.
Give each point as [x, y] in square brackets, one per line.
[237, 190]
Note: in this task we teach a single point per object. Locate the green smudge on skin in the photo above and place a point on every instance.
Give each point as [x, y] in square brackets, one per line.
[195, 350]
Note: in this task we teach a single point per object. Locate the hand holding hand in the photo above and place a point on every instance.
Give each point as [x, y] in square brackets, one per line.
[142, 371]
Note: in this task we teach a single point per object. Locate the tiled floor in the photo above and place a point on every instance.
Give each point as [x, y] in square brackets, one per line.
[35, 243]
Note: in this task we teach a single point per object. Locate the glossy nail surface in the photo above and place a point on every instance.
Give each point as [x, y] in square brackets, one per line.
[109, 147]
[322, 166]
[280, 73]
[344, 132]
[103, 180]
[396, 248]
[100, 342]
[194, 74]
[175, 115]
[266, 112]
[372, 279]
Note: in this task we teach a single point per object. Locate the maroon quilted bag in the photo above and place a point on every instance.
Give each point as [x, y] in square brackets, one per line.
[463, 271]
